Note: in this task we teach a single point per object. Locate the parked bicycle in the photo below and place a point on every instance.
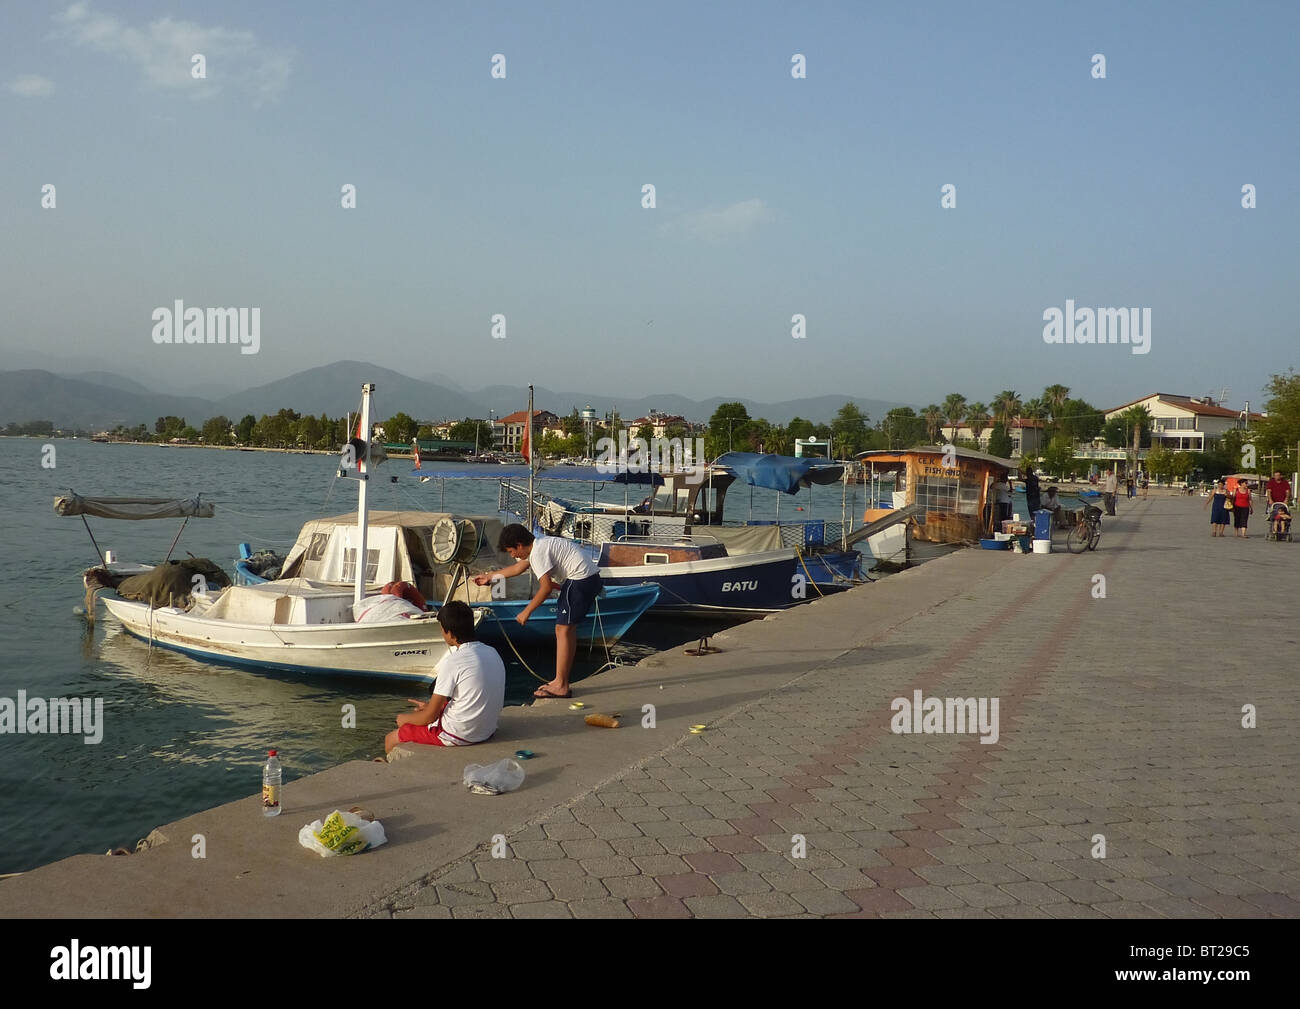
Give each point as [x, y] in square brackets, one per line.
[1086, 534]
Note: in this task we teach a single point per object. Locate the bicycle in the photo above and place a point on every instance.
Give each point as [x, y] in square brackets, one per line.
[1086, 534]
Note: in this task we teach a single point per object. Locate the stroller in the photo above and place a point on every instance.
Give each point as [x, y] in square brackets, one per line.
[1279, 523]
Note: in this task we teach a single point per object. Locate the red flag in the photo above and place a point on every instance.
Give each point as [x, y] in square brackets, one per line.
[415, 446]
[527, 430]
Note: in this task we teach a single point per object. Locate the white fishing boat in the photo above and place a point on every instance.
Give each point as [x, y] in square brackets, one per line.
[295, 624]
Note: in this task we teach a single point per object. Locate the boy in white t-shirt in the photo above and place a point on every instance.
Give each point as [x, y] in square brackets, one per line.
[468, 694]
[556, 562]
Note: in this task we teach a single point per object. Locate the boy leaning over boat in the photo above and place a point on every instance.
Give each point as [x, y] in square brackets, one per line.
[555, 561]
[468, 694]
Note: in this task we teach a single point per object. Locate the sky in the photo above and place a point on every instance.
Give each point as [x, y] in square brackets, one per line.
[775, 196]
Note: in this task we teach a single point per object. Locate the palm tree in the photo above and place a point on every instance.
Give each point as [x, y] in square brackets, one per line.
[933, 415]
[1138, 418]
[1055, 396]
[955, 409]
[1033, 409]
[1006, 405]
[977, 419]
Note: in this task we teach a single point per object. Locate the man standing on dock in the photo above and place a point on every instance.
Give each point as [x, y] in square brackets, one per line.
[1109, 491]
[554, 560]
[1033, 492]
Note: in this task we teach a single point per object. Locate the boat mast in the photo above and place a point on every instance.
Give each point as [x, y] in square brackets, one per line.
[363, 486]
[532, 454]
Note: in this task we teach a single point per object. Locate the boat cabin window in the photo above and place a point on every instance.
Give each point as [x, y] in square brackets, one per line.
[670, 499]
[655, 559]
[350, 564]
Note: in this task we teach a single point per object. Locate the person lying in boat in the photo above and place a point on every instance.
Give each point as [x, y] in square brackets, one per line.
[467, 696]
[554, 561]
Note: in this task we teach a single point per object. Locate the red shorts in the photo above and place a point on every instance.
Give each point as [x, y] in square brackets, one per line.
[421, 734]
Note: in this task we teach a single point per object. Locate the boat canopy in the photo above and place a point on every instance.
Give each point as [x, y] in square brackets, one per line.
[779, 472]
[574, 474]
[401, 546]
[132, 507]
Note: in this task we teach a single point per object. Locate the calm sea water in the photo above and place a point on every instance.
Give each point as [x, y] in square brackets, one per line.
[181, 735]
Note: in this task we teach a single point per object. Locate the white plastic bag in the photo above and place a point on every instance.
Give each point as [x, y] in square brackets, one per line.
[492, 779]
[373, 832]
[382, 609]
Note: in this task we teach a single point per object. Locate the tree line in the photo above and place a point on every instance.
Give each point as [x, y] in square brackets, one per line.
[1066, 422]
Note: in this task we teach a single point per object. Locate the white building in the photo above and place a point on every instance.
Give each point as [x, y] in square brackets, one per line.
[1186, 423]
[1027, 436]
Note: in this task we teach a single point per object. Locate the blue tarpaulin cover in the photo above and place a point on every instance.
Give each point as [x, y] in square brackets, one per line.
[779, 472]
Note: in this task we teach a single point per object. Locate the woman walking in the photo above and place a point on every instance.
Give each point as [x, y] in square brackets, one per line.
[1219, 509]
[1241, 508]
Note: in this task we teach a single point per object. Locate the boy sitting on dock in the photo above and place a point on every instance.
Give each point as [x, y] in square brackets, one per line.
[554, 560]
[468, 694]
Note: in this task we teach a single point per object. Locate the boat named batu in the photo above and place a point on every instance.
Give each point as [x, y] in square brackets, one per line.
[439, 553]
[295, 624]
[675, 538]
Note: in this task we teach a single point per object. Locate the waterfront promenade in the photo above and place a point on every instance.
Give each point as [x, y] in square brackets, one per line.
[1118, 716]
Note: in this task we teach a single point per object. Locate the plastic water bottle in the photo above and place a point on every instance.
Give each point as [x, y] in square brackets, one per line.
[271, 778]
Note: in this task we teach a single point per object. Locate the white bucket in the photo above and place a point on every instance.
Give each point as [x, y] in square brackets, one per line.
[1042, 546]
[109, 557]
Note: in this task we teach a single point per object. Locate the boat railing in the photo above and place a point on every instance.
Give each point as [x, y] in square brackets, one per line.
[683, 539]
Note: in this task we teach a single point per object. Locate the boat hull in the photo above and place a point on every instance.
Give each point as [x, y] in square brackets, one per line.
[748, 585]
[405, 649]
[612, 616]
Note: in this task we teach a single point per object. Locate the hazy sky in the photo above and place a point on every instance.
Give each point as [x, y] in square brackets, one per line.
[775, 196]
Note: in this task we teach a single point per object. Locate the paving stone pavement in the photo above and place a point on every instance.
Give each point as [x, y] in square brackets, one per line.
[1123, 782]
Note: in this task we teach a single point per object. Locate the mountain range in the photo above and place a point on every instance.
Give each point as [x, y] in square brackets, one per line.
[103, 399]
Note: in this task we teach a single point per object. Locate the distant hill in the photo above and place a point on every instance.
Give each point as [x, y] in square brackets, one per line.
[335, 389]
[72, 402]
[103, 399]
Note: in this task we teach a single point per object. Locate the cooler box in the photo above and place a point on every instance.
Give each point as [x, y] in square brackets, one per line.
[1042, 524]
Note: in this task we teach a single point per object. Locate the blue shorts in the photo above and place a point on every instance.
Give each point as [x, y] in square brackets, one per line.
[576, 597]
